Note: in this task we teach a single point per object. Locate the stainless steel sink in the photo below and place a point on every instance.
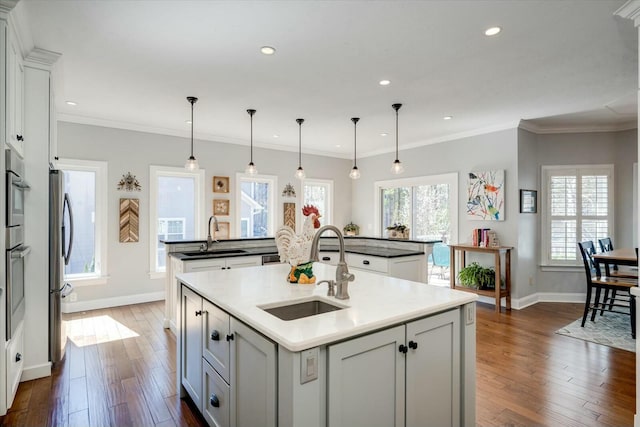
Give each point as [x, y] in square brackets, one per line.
[215, 252]
[301, 309]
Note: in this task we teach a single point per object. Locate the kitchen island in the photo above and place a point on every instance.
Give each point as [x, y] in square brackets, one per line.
[396, 353]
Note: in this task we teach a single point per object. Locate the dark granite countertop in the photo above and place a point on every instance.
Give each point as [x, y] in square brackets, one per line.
[372, 251]
[225, 253]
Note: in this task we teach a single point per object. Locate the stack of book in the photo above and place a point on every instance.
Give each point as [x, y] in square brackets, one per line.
[484, 237]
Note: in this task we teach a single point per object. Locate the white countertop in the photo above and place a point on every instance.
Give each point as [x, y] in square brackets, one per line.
[376, 302]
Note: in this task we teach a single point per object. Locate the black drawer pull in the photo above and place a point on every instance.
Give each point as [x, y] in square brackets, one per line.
[19, 138]
[366, 262]
[413, 345]
[215, 402]
[18, 357]
[403, 349]
[199, 313]
[230, 337]
[326, 258]
[215, 336]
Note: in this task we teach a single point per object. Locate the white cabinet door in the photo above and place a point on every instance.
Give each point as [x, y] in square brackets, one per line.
[14, 355]
[215, 338]
[216, 396]
[433, 371]
[192, 345]
[368, 263]
[409, 268]
[243, 261]
[15, 96]
[204, 264]
[253, 378]
[366, 381]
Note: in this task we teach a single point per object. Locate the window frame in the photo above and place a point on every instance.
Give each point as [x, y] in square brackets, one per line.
[328, 183]
[235, 211]
[101, 170]
[199, 205]
[547, 171]
[446, 178]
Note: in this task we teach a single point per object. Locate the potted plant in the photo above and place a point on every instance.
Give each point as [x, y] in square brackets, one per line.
[398, 231]
[477, 277]
[351, 229]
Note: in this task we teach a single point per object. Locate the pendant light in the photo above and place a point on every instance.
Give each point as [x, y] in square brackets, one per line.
[355, 172]
[251, 168]
[300, 172]
[397, 167]
[192, 163]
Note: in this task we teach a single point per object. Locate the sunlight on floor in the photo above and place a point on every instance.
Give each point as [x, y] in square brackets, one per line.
[96, 330]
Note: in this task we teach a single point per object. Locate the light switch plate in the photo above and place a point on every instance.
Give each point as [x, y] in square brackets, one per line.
[309, 365]
[470, 313]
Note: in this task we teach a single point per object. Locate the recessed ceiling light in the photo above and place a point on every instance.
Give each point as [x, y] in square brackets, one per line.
[492, 31]
[276, 136]
[384, 134]
[73, 104]
[188, 122]
[337, 145]
[268, 50]
[447, 118]
[384, 82]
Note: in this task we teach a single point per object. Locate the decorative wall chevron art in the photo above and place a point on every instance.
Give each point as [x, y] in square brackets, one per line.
[129, 220]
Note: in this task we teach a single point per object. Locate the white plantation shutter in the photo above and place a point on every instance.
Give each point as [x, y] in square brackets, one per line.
[578, 207]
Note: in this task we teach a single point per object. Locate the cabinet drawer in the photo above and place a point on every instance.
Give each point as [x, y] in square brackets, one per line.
[330, 258]
[216, 346]
[244, 261]
[15, 361]
[204, 264]
[216, 407]
[366, 262]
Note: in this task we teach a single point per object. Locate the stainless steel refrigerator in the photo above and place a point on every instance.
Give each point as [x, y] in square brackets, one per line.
[60, 245]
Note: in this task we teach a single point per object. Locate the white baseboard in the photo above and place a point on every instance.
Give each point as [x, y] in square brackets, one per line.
[35, 372]
[74, 307]
[520, 303]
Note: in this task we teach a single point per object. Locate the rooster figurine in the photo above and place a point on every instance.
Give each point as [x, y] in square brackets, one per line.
[295, 249]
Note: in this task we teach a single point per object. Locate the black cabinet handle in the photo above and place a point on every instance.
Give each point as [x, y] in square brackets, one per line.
[224, 268]
[326, 258]
[19, 138]
[413, 345]
[18, 357]
[215, 402]
[366, 262]
[229, 337]
[403, 348]
[199, 313]
[215, 336]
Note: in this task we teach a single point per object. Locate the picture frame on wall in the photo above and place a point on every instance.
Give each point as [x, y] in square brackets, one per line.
[220, 184]
[528, 201]
[220, 207]
[224, 230]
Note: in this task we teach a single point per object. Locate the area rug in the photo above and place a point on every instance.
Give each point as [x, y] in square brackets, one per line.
[612, 329]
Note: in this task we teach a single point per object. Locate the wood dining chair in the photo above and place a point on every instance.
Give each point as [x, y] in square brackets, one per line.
[598, 282]
[612, 269]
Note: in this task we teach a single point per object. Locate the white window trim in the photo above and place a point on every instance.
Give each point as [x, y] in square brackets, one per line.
[154, 172]
[445, 178]
[545, 203]
[101, 170]
[327, 219]
[234, 210]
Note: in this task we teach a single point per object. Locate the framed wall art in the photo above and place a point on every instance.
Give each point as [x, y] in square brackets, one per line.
[129, 220]
[220, 207]
[220, 184]
[223, 231]
[528, 201]
[290, 214]
[485, 195]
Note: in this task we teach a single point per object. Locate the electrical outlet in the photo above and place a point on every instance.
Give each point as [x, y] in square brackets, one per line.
[73, 297]
[530, 281]
[470, 313]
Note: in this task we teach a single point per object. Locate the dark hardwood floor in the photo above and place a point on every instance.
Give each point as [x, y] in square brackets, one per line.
[120, 371]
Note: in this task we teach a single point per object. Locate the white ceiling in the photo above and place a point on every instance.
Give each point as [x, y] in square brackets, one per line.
[563, 64]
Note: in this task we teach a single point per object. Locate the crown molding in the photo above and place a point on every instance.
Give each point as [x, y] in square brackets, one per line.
[92, 121]
[541, 130]
[630, 10]
[42, 57]
[7, 6]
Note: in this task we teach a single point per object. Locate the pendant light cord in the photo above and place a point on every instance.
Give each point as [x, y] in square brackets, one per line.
[251, 160]
[396, 107]
[192, 102]
[299, 121]
[355, 121]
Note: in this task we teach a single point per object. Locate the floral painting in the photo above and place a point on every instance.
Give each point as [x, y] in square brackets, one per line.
[485, 196]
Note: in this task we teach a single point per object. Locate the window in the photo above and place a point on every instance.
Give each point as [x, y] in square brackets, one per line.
[578, 207]
[85, 182]
[176, 210]
[255, 197]
[319, 193]
[426, 204]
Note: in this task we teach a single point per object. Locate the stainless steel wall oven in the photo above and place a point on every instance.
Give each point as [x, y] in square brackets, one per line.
[16, 251]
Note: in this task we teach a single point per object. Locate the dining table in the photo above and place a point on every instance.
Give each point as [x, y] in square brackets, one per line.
[623, 256]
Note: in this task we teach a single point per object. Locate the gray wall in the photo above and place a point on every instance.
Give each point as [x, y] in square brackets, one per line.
[618, 148]
[130, 151]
